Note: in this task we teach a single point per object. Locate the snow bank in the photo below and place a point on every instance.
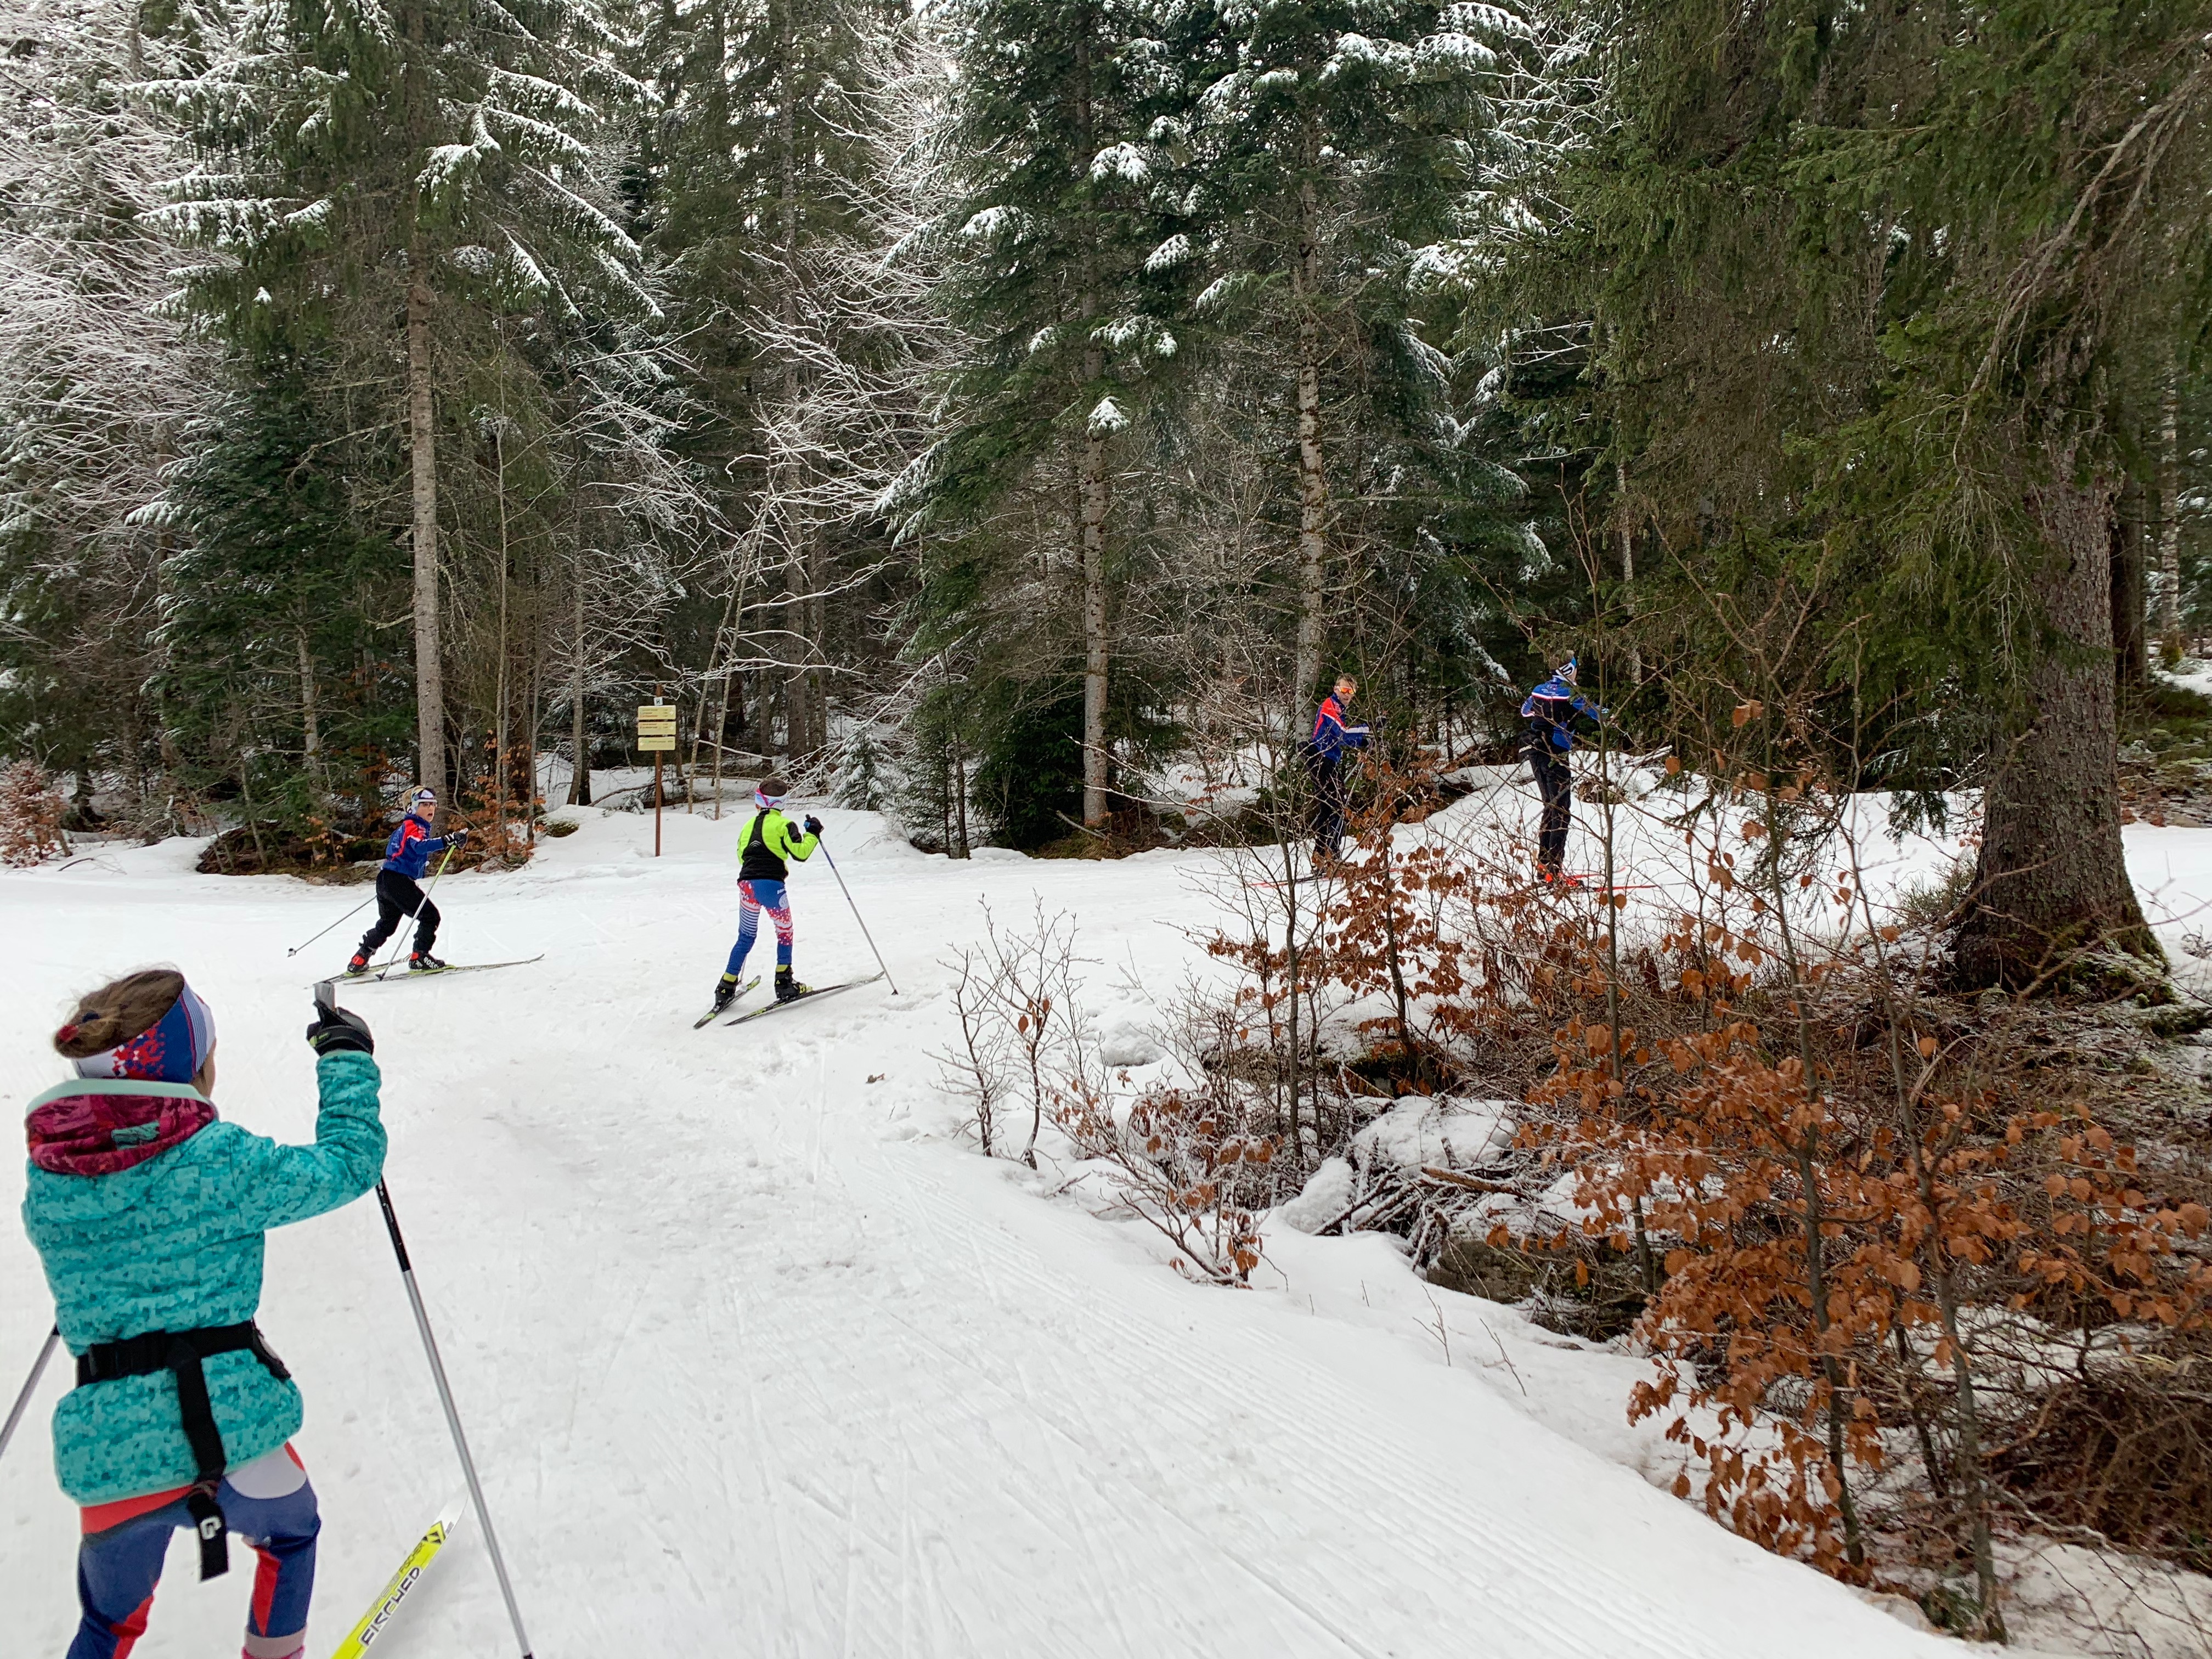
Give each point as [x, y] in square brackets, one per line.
[758, 1359]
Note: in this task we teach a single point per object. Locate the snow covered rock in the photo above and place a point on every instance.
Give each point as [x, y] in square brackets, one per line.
[1425, 1129]
[1326, 1195]
[1128, 1039]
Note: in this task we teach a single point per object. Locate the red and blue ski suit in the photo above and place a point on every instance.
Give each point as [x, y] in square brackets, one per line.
[413, 847]
[406, 856]
[1550, 710]
[1324, 752]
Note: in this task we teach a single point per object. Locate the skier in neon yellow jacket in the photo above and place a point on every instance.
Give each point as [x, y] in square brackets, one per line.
[767, 848]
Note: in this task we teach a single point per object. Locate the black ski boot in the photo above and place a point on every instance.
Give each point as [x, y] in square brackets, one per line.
[423, 963]
[726, 993]
[787, 988]
[358, 966]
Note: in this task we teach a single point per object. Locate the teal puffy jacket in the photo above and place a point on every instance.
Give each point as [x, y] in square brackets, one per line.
[175, 1243]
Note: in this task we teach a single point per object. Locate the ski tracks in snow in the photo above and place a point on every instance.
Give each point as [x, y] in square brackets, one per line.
[748, 1376]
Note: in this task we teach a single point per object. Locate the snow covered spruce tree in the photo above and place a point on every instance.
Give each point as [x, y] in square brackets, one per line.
[1054, 244]
[761, 164]
[98, 385]
[1864, 320]
[1335, 140]
[382, 184]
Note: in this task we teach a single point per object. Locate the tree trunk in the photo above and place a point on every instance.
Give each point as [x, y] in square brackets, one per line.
[1313, 482]
[817, 639]
[423, 445]
[960, 798]
[2169, 515]
[806, 723]
[311, 730]
[580, 764]
[1093, 489]
[500, 761]
[2130, 643]
[1627, 530]
[2051, 880]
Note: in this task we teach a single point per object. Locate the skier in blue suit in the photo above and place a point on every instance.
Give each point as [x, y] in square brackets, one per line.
[399, 894]
[1550, 711]
[1332, 738]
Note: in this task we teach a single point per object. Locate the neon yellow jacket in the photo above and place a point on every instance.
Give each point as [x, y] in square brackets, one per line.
[767, 839]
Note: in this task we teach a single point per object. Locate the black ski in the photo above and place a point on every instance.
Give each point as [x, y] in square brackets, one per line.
[396, 974]
[715, 1013]
[818, 991]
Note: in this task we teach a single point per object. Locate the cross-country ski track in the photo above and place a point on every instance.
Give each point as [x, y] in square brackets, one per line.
[758, 1358]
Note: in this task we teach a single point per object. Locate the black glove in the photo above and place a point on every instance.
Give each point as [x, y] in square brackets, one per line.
[813, 824]
[337, 1032]
[457, 836]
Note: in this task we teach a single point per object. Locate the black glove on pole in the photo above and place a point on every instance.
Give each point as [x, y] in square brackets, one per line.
[30, 1387]
[329, 1021]
[336, 1031]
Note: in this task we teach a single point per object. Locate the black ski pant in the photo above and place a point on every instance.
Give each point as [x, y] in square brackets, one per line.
[398, 897]
[1555, 784]
[1329, 805]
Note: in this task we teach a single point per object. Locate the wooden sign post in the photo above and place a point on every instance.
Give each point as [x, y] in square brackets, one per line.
[656, 734]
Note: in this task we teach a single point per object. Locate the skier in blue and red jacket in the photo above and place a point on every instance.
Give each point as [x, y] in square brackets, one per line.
[1550, 710]
[398, 892]
[1325, 750]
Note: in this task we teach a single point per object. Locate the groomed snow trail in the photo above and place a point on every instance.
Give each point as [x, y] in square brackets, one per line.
[755, 1363]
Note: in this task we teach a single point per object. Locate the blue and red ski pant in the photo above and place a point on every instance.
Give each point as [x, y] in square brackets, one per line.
[119, 1566]
[753, 897]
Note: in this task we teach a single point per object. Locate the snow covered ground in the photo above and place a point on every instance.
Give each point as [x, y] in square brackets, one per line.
[758, 1358]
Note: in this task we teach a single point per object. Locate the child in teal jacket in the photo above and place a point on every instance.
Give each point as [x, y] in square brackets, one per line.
[147, 1212]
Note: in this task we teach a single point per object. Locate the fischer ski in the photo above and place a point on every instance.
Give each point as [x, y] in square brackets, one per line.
[713, 1014]
[378, 1619]
[820, 991]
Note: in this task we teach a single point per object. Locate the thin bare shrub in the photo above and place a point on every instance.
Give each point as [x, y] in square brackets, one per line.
[1191, 1159]
[1024, 1038]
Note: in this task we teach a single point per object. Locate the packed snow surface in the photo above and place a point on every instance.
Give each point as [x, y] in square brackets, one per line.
[758, 1357]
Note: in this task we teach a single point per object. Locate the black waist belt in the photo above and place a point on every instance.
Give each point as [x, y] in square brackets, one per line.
[179, 1352]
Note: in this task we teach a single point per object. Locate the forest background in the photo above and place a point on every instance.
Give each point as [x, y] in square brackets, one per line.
[1009, 415]
[970, 409]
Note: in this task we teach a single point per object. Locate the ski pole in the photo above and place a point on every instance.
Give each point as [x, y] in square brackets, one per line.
[452, 1417]
[30, 1386]
[393, 960]
[326, 995]
[348, 915]
[858, 917]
